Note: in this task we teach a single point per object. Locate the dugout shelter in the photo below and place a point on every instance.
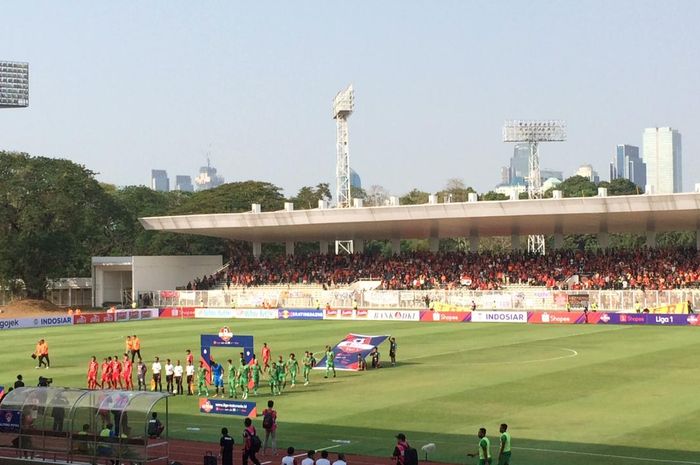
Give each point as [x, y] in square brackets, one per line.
[59, 425]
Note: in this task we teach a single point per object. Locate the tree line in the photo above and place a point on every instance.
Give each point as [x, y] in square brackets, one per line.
[55, 216]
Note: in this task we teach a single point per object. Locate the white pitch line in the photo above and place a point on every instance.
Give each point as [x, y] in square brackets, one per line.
[304, 455]
[593, 454]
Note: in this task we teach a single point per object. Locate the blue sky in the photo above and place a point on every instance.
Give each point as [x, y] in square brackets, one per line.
[125, 87]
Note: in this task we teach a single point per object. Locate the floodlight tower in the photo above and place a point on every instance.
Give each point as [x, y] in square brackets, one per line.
[534, 132]
[343, 106]
[14, 84]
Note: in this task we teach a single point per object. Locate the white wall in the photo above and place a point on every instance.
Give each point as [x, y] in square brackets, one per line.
[168, 272]
[109, 281]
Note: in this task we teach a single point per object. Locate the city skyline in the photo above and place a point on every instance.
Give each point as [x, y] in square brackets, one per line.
[430, 99]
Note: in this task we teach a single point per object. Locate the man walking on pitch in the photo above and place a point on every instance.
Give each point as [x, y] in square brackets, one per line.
[217, 373]
[127, 368]
[255, 374]
[243, 371]
[251, 443]
[135, 347]
[42, 353]
[504, 449]
[266, 357]
[141, 370]
[484, 452]
[231, 380]
[293, 368]
[392, 350]
[202, 380]
[306, 362]
[269, 424]
[92, 373]
[274, 388]
[330, 361]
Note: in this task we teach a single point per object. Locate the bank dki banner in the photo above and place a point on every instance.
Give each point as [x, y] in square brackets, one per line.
[228, 407]
[347, 351]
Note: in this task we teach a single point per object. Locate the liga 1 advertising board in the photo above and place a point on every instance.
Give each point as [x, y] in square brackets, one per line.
[499, 317]
[228, 407]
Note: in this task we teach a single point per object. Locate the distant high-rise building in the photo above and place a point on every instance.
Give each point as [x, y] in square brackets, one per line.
[160, 181]
[663, 157]
[549, 174]
[628, 164]
[520, 163]
[183, 183]
[505, 176]
[587, 171]
[355, 180]
[207, 178]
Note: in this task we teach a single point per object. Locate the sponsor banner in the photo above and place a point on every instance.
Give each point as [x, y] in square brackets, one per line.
[499, 317]
[228, 407]
[350, 350]
[345, 314]
[92, 318]
[9, 421]
[556, 317]
[136, 314]
[668, 319]
[176, 312]
[394, 315]
[692, 320]
[446, 317]
[38, 322]
[673, 308]
[255, 313]
[301, 314]
[213, 313]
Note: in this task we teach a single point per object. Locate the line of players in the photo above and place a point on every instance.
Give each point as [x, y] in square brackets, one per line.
[116, 374]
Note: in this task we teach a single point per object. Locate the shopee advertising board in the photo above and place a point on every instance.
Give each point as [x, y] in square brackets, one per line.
[556, 317]
[446, 317]
[499, 317]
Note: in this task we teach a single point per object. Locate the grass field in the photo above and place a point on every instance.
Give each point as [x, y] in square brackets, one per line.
[571, 394]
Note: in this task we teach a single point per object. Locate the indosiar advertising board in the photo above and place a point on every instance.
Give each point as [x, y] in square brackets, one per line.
[499, 317]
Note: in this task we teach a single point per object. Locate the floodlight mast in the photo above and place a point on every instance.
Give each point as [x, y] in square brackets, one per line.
[343, 106]
[534, 132]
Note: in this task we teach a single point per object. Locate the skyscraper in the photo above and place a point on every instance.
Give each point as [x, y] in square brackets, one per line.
[183, 183]
[663, 157]
[160, 181]
[628, 164]
[520, 164]
[588, 172]
[355, 180]
[208, 178]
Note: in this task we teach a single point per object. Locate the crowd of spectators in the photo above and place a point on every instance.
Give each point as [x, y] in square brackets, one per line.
[644, 268]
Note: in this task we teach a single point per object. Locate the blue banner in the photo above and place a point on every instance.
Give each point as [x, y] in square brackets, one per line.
[300, 314]
[9, 421]
[350, 350]
[228, 407]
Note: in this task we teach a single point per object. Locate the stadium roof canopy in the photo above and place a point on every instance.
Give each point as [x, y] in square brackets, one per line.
[620, 214]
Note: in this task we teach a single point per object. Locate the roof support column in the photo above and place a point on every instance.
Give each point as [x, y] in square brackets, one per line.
[257, 249]
[514, 242]
[603, 239]
[434, 244]
[358, 246]
[651, 239]
[289, 247]
[323, 247]
[697, 239]
[473, 243]
[396, 246]
[558, 241]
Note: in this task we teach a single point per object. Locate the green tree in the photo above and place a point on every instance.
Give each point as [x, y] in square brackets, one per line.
[54, 214]
[308, 197]
[455, 191]
[621, 186]
[415, 197]
[235, 197]
[491, 195]
[575, 186]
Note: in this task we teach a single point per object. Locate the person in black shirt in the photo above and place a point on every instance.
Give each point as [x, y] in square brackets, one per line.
[19, 382]
[226, 444]
[392, 350]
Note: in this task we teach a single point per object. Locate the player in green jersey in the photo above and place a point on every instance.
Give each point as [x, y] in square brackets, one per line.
[255, 374]
[202, 380]
[293, 368]
[243, 370]
[504, 450]
[274, 387]
[231, 380]
[484, 448]
[281, 375]
[306, 367]
[330, 361]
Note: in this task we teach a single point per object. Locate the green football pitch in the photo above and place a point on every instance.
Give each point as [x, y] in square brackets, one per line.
[571, 394]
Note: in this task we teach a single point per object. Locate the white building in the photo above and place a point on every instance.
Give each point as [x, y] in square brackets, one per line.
[587, 171]
[663, 157]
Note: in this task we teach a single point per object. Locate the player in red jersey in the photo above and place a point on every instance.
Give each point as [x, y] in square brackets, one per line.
[92, 373]
[127, 372]
[190, 358]
[116, 373]
[266, 357]
[106, 373]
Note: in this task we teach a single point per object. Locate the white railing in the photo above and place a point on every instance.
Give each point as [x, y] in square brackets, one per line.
[521, 298]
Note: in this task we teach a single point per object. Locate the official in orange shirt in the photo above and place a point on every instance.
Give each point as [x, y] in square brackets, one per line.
[129, 345]
[135, 347]
[42, 353]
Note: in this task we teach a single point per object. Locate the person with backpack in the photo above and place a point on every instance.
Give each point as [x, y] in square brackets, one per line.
[403, 452]
[251, 443]
[269, 424]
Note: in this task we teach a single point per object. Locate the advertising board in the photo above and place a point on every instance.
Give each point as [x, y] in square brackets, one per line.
[499, 317]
